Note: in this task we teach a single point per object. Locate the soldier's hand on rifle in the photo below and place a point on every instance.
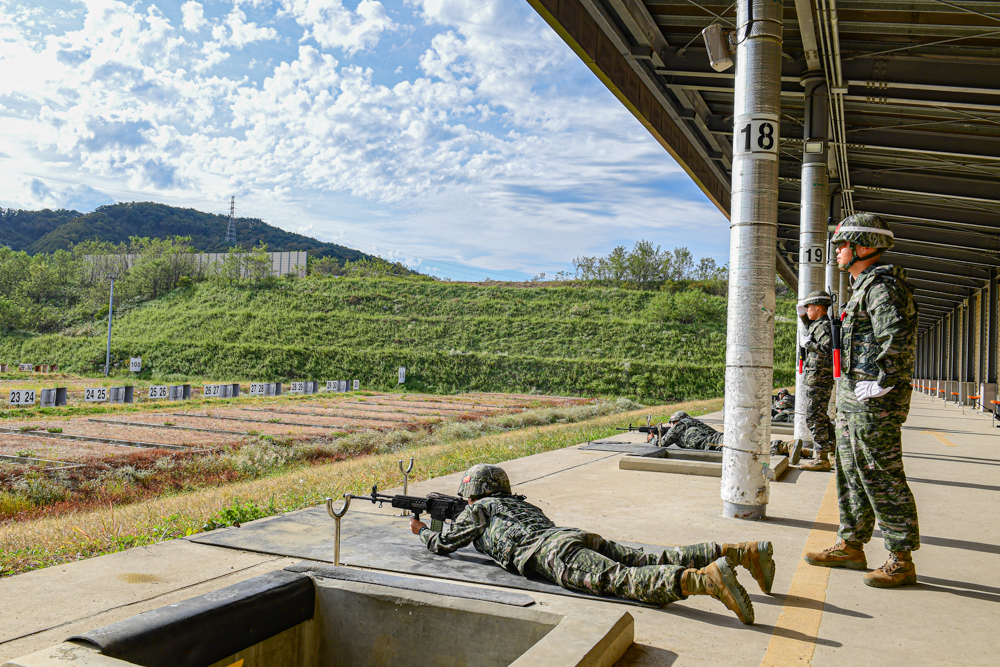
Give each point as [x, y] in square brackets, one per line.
[416, 525]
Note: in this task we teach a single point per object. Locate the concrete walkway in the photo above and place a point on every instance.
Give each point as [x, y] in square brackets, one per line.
[816, 616]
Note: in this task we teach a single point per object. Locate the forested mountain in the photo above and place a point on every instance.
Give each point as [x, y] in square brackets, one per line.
[48, 231]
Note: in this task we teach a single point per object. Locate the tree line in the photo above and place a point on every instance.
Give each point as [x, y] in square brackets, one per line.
[648, 268]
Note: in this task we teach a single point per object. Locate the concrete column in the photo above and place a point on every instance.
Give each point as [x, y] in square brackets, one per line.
[991, 328]
[833, 272]
[968, 389]
[813, 219]
[752, 241]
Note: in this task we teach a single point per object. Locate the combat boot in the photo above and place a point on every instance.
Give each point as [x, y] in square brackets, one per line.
[841, 554]
[899, 570]
[719, 581]
[795, 451]
[822, 464]
[756, 557]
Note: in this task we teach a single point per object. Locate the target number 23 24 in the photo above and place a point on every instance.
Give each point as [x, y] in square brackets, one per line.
[756, 137]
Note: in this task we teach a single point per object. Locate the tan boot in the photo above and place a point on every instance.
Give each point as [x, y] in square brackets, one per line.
[822, 464]
[719, 581]
[840, 554]
[795, 451]
[755, 557]
[899, 570]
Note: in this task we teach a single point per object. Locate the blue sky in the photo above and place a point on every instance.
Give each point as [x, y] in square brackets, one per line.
[462, 137]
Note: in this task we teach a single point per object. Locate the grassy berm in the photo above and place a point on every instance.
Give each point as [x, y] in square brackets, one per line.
[655, 347]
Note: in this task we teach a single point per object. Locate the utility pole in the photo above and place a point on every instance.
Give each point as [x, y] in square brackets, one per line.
[231, 230]
[111, 308]
[753, 234]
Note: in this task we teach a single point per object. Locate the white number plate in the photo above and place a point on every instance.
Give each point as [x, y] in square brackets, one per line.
[159, 391]
[135, 364]
[357, 385]
[297, 387]
[212, 390]
[332, 385]
[813, 254]
[26, 368]
[756, 137]
[22, 397]
[402, 375]
[95, 394]
[258, 388]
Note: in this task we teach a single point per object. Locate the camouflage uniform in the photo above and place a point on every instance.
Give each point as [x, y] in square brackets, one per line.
[817, 371]
[879, 344]
[783, 409]
[518, 536]
[691, 433]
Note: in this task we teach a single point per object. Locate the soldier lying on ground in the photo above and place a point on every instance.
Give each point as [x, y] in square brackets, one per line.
[518, 536]
[690, 433]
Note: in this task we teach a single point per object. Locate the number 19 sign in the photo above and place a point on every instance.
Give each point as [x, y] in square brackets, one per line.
[755, 136]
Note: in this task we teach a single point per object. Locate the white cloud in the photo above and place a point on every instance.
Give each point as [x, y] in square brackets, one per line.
[193, 14]
[336, 27]
[499, 150]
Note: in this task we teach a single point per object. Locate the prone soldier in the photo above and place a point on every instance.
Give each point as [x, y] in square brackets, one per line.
[690, 433]
[873, 399]
[518, 536]
[783, 408]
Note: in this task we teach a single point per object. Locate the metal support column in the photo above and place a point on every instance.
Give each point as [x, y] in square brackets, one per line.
[991, 328]
[970, 349]
[813, 219]
[752, 241]
[833, 272]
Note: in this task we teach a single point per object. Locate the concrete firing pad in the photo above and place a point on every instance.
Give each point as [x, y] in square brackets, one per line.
[632, 448]
[377, 542]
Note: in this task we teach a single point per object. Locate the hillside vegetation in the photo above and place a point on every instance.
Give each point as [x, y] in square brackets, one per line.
[48, 231]
[657, 346]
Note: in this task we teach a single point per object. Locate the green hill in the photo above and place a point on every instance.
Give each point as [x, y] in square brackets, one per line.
[656, 346]
[47, 231]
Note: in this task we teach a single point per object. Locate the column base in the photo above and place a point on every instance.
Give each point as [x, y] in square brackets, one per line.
[745, 512]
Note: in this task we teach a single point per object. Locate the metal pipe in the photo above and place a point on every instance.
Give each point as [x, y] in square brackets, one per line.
[991, 329]
[813, 221]
[111, 308]
[752, 242]
[807, 31]
[337, 516]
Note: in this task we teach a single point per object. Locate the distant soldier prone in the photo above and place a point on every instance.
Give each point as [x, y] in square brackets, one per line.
[783, 409]
[519, 537]
[690, 433]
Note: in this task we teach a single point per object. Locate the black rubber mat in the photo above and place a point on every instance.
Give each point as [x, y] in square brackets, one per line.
[378, 542]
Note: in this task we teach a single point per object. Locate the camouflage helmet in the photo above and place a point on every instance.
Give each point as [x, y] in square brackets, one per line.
[782, 392]
[867, 230]
[818, 297]
[677, 416]
[484, 479]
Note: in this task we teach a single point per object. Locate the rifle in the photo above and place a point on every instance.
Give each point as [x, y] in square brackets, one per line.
[438, 505]
[650, 431]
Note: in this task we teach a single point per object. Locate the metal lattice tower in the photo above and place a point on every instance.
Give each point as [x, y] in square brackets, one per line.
[231, 230]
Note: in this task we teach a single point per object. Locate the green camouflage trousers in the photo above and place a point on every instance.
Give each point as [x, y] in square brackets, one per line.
[785, 416]
[588, 563]
[817, 418]
[871, 482]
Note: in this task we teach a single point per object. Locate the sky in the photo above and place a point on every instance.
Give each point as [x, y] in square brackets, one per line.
[461, 137]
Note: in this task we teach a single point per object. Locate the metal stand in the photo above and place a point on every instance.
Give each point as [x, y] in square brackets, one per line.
[337, 516]
[406, 478]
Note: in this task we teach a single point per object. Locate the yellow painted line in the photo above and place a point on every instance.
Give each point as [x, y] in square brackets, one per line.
[794, 639]
[940, 436]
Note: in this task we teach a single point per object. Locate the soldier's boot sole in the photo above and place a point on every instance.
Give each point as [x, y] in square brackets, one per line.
[905, 581]
[817, 466]
[795, 453]
[757, 558]
[719, 580]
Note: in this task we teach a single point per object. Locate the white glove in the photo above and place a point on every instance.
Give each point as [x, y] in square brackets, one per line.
[801, 310]
[807, 339]
[866, 389]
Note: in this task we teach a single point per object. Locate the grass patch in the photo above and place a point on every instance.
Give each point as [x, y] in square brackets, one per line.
[48, 541]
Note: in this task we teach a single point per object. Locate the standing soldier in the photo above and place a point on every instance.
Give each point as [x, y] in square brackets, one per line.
[817, 370]
[873, 399]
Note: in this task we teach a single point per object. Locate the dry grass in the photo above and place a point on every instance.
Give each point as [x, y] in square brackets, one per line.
[43, 542]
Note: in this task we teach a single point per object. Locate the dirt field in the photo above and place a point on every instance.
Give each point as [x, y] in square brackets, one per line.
[206, 424]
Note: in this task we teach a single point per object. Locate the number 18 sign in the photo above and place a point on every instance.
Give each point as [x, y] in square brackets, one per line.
[755, 136]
